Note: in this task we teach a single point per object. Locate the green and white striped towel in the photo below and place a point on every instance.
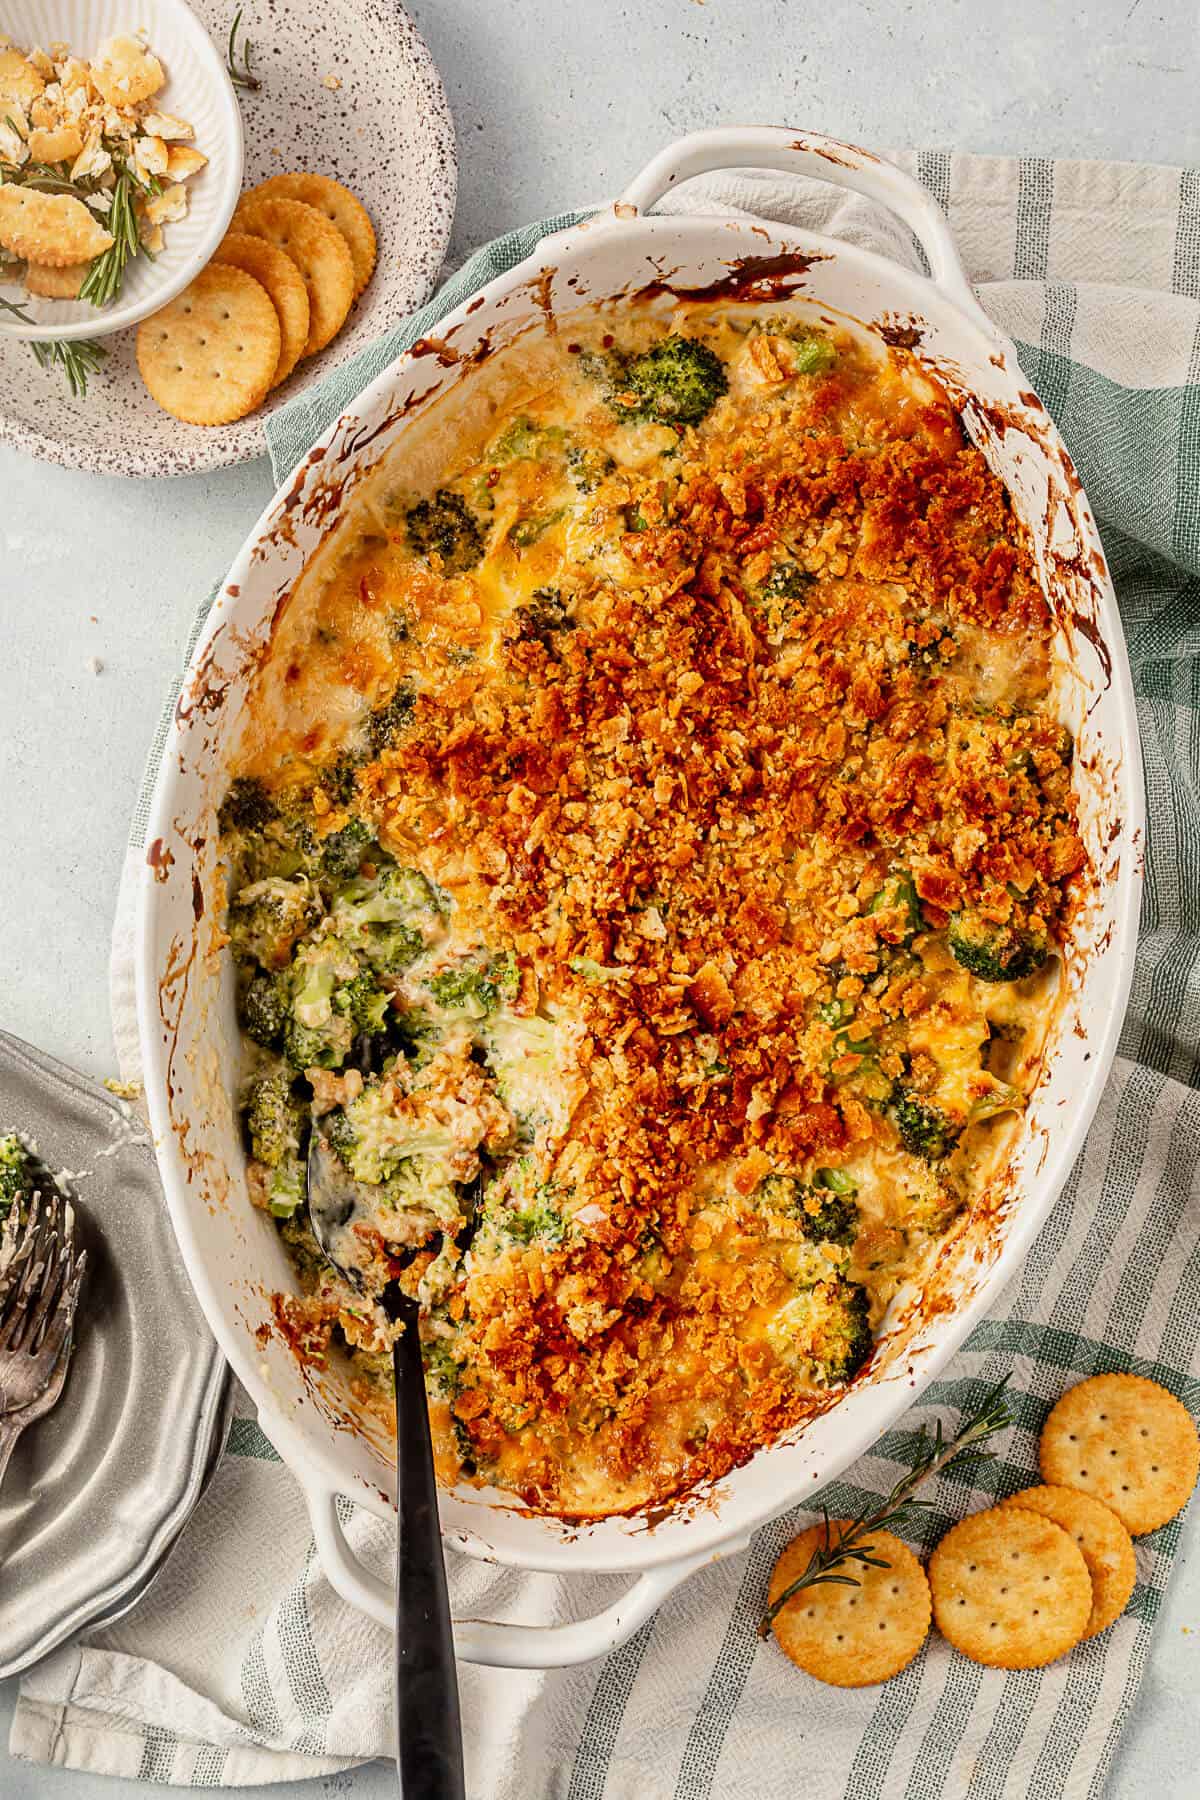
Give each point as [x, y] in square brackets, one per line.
[243, 1666]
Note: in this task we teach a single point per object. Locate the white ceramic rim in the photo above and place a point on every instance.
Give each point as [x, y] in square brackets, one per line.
[663, 1566]
[224, 167]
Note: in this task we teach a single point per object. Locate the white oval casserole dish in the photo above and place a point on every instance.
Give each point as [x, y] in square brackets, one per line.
[189, 1034]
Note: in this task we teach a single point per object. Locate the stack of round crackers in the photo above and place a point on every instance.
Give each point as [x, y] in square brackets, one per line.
[1019, 1585]
[299, 251]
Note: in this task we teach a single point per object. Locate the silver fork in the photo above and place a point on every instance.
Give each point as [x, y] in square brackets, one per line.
[40, 1278]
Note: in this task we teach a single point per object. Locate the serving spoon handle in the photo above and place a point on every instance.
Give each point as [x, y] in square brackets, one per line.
[428, 1723]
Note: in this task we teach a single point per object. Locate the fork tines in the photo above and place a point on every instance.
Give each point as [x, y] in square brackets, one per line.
[39, 1270]
[22, 1229]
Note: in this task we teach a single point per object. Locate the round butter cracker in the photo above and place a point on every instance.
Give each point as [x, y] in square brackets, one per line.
[278, 274]
[340, 207]
[1127, 1442]
[1010, 1589]
[852, 1636]
[209, 355]
[55, 284]
[318, 250]
[1106, 1546]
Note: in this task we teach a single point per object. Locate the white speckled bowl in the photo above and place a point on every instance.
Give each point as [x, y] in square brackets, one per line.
[349, 90]
[199, 90]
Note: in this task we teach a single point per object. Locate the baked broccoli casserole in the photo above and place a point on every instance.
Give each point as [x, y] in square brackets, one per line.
[646, 859]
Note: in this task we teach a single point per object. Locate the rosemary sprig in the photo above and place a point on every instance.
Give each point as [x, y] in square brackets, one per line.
[47, 178]
[851, 1543]
[243, 77]
[102, 282]
[77, 360]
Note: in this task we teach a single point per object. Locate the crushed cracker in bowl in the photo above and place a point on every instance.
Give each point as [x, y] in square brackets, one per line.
[92, 167]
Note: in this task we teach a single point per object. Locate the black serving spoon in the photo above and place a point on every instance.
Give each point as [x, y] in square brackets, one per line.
[428, 1724]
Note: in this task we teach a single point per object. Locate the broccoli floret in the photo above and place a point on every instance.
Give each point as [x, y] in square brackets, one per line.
[464, 1443]
[542, 615]
[588, 466]
[382, 918]
[924, 1129]
[443, 1371]
[394, 948]
[542, 1221]
[364, 1004]
[468, 989]
[829, 1213]
[268, 918]
[419, 1183]
[287, 1188]
[779, 1194]
[898, 894]
[283, 847]
[373, 1141]
[678, 380]
[274, 1119]
[340, 779]
[787, 581]
[826, 1210]
[416, 1034]
[519, 438]
[320, 1034]
[392, 896]
[412, 890]
[781, 598]
[246, 807]
[925, 648]
[445, 527]
[812, 351]
[812, 354]
[388, 722]
[18, 1175]
[865, 1074]
[522, 1209]
[340, 1134]
[1001, 1097]
[307, 1047]
[534, 527]
[263, 1009]
[849, 1342]
[994, 952]
[343, 851]
[825, 1328]
[476, 990]
[296, 1233]
[506, 975]
[931, 1200]
[523, 1053]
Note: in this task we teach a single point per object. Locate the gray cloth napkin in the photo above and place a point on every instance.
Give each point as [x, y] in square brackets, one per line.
[243, 1666]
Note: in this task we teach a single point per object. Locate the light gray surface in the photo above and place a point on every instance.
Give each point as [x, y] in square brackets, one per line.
[554, 103]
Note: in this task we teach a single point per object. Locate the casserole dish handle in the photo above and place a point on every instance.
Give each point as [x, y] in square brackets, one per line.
[500, 1645]
[825, 159]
